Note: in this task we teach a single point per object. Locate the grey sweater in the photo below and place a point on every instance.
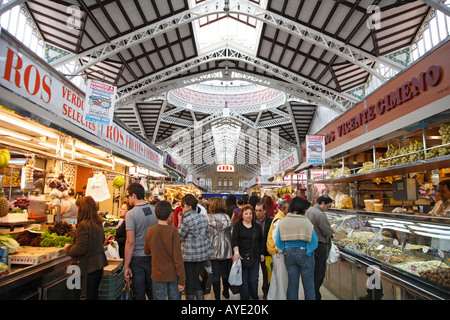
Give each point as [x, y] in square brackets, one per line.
[320, 221]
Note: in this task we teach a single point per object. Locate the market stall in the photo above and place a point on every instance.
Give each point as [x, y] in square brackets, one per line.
[49, 148]
[383, 162]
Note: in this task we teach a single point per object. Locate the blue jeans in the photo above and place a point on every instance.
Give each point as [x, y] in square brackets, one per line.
[141, 268]
[166, 290]
[249, 287]
[299, 263]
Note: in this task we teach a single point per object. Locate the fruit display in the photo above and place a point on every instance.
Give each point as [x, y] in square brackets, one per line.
[444, 131]
[4, 206]
[338, 173]
[410, 152]
[11, 179]
[367, 166]
[118, 182]
[4, 158]
[22, 203]
[285, 190]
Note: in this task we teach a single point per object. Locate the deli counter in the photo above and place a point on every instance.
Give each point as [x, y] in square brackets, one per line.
[389, 256]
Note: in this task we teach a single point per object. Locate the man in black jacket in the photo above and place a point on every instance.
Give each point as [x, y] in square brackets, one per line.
[264, 221]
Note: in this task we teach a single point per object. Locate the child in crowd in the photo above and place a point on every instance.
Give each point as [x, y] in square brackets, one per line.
[162, 241]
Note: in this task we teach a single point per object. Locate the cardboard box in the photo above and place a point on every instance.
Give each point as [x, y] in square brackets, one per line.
[35, 255]
[113, 266]
[15, 217]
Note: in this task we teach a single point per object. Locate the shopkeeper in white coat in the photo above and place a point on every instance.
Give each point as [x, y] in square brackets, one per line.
[69, 208]
[441, 209]
[442, 205]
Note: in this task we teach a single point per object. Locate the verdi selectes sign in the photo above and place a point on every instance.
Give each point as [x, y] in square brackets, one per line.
[384, 104]
[31, 78]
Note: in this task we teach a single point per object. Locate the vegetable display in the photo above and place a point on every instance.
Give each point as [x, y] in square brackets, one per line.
[10, 242]
[53, 240]
[32, 239]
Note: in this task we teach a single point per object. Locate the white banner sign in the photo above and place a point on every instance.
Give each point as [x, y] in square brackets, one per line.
[99, 102]
[36, 81]
[315, 149]
[286, 163]
[266, 170]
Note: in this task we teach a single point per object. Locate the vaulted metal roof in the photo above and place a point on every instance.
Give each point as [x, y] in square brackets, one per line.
[313, 52]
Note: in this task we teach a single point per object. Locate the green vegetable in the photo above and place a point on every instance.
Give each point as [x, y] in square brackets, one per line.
[53, 240]
[10, 242]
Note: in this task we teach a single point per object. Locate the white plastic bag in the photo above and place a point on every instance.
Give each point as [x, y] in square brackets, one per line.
[112, 251]
[235, 276]
[334, 254]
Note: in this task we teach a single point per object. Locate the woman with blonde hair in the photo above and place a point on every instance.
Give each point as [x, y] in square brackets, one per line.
[220, 235]
[87, 250]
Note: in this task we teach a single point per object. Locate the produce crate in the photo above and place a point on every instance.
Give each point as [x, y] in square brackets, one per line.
[35, 255]
[111, 286]
[15, 217]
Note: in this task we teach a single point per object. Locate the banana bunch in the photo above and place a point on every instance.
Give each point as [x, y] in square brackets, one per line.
[4, 158]
[118, 182]
[411, 147]
[444, 131]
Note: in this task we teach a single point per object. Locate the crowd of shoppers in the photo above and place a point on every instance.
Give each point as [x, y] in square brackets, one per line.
[166, 247]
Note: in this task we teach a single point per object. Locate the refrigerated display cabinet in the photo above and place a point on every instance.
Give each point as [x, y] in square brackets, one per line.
[408, 255]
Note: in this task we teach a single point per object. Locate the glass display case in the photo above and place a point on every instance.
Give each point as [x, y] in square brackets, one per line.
[411, 253]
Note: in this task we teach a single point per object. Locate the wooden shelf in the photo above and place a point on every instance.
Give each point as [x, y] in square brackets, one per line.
[402, 169]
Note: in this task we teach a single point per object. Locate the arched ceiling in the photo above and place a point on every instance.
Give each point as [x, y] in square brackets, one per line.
[314, 52]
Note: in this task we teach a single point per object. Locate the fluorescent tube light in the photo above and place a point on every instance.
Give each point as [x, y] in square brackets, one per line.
[28, 126]
[14, 135]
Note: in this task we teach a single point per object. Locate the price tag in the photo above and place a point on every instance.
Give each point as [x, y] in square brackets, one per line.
[387, 257]
[380, 237]
[425, 249]
[408, 246]
[441, 254]
[413, 268]
[395, 242]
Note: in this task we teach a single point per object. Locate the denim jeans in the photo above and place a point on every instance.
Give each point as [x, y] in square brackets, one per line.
[299, 263]
[249, 287]
[166, 290]
[141, 268]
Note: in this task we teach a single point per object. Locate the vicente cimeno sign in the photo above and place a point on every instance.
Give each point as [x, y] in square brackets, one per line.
[409, 90]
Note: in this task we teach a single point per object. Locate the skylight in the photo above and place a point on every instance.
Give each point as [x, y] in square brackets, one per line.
[217, 29]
